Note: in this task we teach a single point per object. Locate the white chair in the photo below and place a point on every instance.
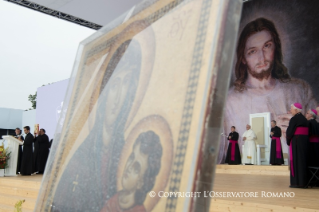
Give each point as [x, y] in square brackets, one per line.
[259, 160]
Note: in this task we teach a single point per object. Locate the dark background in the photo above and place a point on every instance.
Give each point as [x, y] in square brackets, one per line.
[297, 22]
[7, 132]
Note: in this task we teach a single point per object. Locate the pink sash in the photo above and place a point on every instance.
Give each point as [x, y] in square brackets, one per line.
[278, 147]
[233, 144]
[314, 139]
[299, 131]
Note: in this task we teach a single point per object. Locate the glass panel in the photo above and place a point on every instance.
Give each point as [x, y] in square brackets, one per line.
[144, 104]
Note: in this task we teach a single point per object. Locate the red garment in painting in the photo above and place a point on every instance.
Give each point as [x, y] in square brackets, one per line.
[112, 205]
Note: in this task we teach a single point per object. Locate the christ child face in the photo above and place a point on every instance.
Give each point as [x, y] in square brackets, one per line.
[259, 52]
[135, 168]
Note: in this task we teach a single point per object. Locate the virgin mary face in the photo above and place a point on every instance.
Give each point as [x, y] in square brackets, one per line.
[119, 85]
[120, 89]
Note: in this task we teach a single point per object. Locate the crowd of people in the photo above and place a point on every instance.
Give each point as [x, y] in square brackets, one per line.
[302, 137]
[34, 152]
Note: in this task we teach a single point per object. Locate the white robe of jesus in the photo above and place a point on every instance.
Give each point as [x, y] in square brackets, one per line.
[249, 151]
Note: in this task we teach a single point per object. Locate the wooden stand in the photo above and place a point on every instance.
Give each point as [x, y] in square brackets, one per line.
[13, 145]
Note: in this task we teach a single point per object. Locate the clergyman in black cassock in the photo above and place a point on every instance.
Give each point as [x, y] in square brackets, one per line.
[313, 159]
[43, 151]
[297, 135]
[276, 156]
[20, 152]
[27, 157]
[233, 154]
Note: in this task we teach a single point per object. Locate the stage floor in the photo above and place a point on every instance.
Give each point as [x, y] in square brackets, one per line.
[253, 169]
[32, 178]
[304, 199]
[13, 189]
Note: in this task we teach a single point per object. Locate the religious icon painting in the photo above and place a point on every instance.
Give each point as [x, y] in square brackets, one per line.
[290, 68]
[144, 111]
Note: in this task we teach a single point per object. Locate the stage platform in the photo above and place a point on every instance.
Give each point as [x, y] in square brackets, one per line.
[13, 189]
[239, 178]
[227, 179]
[253, 169]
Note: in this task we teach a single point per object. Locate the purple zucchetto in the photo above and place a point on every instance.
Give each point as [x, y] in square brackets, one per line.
[298, 105]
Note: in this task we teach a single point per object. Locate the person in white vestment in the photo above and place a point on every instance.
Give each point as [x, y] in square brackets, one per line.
[249, 151]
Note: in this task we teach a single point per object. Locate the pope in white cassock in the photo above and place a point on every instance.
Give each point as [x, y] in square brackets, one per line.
[249, 151]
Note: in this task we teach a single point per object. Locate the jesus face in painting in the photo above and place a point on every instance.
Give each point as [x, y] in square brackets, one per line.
[259, 54]
[135, 168]
[141, 169]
